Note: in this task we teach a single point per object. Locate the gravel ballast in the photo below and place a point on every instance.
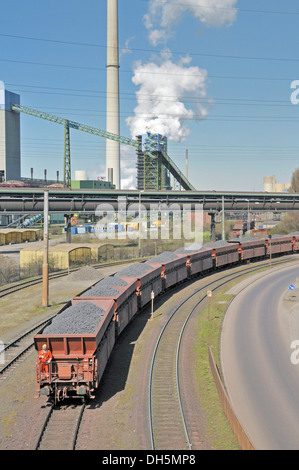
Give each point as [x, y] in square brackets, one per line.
[83, 317]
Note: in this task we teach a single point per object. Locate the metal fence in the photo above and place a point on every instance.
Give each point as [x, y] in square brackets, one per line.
[10, 271]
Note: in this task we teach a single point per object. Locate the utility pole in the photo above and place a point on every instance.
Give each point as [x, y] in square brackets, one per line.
[223, 219]
[139, 226]
[46, 250]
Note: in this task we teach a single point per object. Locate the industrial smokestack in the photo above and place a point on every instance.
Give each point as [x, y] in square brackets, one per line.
[112, 103]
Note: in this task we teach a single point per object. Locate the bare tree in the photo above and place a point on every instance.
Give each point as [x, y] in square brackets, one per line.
[295, 182]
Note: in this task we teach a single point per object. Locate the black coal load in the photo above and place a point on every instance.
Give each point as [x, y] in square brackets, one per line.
[111, 281]
[80, 318]
[101, 291]
[189, 249]
[164, 257]
[133, 270]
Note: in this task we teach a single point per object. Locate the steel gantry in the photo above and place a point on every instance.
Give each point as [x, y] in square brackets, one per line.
[150, 155]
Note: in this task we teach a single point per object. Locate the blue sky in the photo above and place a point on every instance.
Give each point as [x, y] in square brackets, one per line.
[216, 75]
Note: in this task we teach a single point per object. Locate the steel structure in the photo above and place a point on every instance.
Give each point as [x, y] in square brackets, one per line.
[150, 153]
[31, 200]
[151, 173]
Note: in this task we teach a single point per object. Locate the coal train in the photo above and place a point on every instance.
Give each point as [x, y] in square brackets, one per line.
[82, 335]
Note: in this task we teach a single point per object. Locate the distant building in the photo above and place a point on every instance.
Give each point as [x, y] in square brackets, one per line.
[270, 185]
[91, 184]
[10, 146]
[240, 228]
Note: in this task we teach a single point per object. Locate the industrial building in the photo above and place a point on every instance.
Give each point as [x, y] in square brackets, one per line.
[271, 186]
[82, 182]
[10, 147]
[151, 174]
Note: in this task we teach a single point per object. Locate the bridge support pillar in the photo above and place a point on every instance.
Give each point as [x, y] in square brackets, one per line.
[213, 226]
[68, 231]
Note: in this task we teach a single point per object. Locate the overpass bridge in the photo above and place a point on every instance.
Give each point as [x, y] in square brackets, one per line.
[66, 201]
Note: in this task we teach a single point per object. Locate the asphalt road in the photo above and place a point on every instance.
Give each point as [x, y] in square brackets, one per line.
[261, 379]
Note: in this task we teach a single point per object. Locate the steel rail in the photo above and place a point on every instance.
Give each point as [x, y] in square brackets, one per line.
[18, 340]
[24, 284]
[73, 438]
[44, 427]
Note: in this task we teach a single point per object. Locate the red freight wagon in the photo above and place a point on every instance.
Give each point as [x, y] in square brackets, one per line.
[226, 254]
[173, 271]
[79, 360]
[250, 248]
[295, 239]
[148, 280]
[279, 244]
[125, 302]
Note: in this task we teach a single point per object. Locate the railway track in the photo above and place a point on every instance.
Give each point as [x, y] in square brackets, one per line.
[61, 427]
[163, 424]
[10, 289]
[18, 350]
[171, 426]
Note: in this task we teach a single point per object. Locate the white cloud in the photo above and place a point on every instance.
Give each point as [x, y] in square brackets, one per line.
[163, 15]
[169, 96]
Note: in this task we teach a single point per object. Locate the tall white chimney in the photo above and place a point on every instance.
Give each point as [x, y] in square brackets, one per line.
[112, 103]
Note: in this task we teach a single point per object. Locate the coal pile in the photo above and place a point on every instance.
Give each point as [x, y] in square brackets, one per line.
[189, 249]
[111, 281]
[163, 257]
[88, 273]
[101, 291]
[80, 318]
[133, 270]
[215, 244]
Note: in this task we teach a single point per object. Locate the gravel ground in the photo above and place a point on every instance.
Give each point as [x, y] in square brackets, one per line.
[117, 419]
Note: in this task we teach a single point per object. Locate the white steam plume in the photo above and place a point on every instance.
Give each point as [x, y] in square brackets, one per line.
[163, 14]
[164, 90]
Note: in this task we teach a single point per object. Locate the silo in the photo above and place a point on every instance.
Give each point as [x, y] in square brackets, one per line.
[269, 183]
[10, 147]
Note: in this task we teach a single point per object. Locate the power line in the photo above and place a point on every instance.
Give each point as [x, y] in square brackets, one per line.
[202, 54]
[147, 97]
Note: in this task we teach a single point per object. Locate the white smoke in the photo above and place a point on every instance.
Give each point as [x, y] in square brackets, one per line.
[164, 14]
[128, 167]
[164, 89]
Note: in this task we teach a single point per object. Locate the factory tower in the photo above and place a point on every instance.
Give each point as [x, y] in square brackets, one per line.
[112, 103]
[10, 147]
